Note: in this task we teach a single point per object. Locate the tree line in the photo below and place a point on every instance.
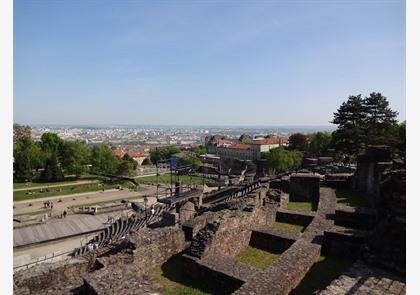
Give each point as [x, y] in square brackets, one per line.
[164, 153]
[51, 158]
[360, 122]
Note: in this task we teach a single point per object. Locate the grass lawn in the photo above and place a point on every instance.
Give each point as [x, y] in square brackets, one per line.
[171, 277]
[321, 274]
[302, 206]
[349, 198]
[166, 178]
[289, 227]
[256, 257]
[65, 190]
[68, 180]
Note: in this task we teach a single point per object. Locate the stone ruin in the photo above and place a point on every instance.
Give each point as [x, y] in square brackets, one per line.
[211, 233]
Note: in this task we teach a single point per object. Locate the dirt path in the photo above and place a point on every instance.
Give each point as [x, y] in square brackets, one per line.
[78, 182]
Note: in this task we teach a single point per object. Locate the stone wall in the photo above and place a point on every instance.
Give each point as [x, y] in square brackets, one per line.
[299, 218]
[265, 240]
[229, 230]
[304, 187]
[370, 166]
[186, 212]
[197, 270]
[152, 247]
[388, 247]
[285, 273]
[119, 275]
[50, 274]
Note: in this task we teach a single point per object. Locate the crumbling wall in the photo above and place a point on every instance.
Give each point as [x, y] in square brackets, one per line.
[48, 275]
[186, 212]
[388, 247]
[285, 273]
[152, 247]
[230, 231]
[370, 166]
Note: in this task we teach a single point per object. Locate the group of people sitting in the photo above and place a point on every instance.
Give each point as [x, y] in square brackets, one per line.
[47, 190]
[92, 246]
[49, 204]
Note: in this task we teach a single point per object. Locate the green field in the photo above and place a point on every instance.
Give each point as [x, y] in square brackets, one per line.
[256, 257]
[171, 277]
[166, 178]
[302, 206]
[65, 190]
[288, 226]
[68, 180]
[351, 198]
[321, 274]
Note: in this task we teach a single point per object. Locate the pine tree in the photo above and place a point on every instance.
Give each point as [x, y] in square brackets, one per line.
[351, 120]
[379, 119]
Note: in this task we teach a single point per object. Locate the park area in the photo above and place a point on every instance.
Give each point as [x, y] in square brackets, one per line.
[45, 190]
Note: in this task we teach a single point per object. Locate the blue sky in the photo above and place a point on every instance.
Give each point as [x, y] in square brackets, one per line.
[203, 62]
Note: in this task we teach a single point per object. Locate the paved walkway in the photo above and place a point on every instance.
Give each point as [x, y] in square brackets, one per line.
[362, 279]
[74, 224]
[57, 229]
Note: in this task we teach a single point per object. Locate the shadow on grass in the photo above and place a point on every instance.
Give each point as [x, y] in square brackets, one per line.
[321, 274]
[351, 198]
[175, 281]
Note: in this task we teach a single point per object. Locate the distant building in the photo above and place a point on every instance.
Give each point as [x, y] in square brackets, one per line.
[138, 156]
[119, 153]
[227, 148]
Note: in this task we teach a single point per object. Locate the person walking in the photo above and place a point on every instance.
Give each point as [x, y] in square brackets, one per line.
[65, 213]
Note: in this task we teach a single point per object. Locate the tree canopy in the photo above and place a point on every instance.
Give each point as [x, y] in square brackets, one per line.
[319, 143]
[194, 161]
[298, 141]
[27, 157]
[74, 157]
[199, 150]
[361, 122]
[163, 153]
[280, 159]
[57, 157]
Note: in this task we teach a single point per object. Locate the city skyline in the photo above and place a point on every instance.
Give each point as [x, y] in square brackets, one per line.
[211, 64]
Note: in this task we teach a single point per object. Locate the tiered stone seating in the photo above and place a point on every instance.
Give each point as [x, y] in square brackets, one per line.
[122, 227]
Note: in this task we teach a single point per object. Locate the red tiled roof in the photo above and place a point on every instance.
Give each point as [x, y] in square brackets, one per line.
[223, 142]
[136, 154]
[240, 146]
[119, 153]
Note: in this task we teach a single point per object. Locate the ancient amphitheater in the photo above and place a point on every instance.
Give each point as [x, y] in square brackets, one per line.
[197, 238]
